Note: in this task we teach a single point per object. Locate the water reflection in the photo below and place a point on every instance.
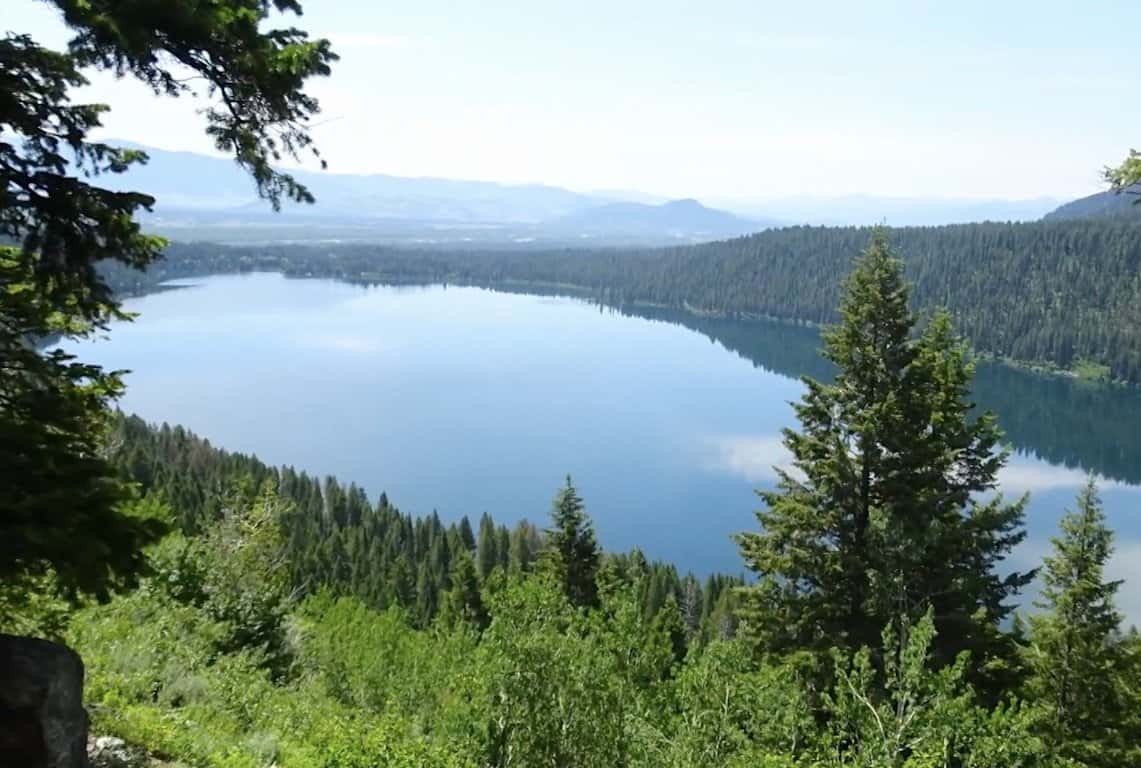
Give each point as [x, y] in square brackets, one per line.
[1081, 426]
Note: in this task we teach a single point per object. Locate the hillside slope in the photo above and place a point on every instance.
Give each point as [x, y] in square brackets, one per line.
[1099, 206]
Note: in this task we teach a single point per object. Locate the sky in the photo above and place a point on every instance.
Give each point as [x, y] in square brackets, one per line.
[723, 100]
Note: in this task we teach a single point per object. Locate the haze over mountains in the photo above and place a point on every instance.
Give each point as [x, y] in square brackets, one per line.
[206, 197]
[862, 210]
[209, 198]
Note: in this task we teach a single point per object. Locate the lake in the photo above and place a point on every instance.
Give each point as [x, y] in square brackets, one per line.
[467, 400]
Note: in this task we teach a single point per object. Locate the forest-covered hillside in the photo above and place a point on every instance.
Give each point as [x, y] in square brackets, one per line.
[1099, 206]
[338, 539]
[284, 620]
[1062, 294]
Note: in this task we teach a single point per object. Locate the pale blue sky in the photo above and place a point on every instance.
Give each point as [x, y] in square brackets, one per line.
[721, 100]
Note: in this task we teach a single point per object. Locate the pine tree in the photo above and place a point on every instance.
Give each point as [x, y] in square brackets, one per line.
[464, 601]
[670, 622]
[440, 558]
[692, 605]
[467, 538]
[427, 595]
[487, 552]
[400, 584]
[524, 545]
[61, 224]
[657, 588]
[879, 519]
[1076, 655]
[722, 622]
[503, 547]
[571, 552]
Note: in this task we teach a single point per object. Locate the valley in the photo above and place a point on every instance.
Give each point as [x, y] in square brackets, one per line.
[463, 401]
[584, 385]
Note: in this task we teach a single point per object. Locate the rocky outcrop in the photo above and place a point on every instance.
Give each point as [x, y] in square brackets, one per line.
[112, 752]
[42, 720]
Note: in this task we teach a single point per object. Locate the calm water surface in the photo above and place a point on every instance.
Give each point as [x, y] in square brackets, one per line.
[465, 400]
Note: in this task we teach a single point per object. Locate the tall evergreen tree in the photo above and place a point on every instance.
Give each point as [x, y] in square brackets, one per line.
[879, 519]
[503, 547]
[1076, 654]
[56, 487]
[441, 561]
[402, 588]
[692, 605]
[464, 601]
[487, 547]
[571, 551]
[62, 222]
[467, 538]
[524, 545]
[427, 595]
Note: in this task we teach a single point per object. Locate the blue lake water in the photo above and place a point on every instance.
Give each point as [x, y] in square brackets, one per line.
[466, 400]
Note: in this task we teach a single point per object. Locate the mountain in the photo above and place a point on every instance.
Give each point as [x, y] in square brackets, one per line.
[681, 219]
[1099, 206]
[209, 197]
[204, 197]
[186, 181]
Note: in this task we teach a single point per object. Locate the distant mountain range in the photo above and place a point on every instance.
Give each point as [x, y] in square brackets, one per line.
[204, 197]
[209, 198]
[678, 218]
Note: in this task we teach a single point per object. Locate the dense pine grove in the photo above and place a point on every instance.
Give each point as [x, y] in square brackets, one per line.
[337, 539]
[1057, 293]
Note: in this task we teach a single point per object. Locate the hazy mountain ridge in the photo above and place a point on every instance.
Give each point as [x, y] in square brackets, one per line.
[683, 217]
[200, 196]
[1100, 205]
[190, 181]
[205, 197]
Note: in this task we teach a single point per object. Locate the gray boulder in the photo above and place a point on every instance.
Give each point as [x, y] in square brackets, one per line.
[42, 720]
